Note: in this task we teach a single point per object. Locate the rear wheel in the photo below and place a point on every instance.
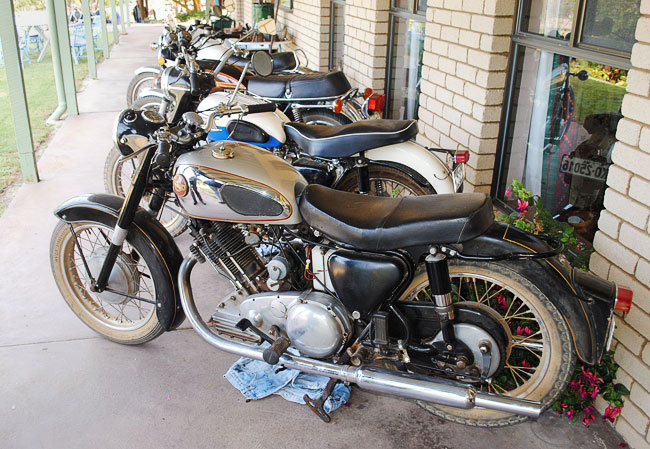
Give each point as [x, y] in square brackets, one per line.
[538, 355]
[138, 84]
[138, 272]
[386, 181]
[117, 178]
[324, 117]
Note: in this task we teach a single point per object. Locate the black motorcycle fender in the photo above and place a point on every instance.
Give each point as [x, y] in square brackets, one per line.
[105, 208]
[585, 301]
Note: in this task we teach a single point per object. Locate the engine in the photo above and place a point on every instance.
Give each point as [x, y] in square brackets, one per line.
[316, 323]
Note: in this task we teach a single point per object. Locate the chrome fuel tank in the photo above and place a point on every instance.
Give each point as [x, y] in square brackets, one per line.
[238, 182]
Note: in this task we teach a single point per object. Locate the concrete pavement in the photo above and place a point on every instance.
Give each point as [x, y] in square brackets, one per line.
[62, 386]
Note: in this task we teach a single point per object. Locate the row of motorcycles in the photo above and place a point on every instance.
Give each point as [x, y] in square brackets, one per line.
[350, 250]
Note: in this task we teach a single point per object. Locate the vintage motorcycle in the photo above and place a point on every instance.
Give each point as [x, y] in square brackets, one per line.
[425, 298]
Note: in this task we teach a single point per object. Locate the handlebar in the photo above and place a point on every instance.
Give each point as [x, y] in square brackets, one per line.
[257, 108]
[194, 84]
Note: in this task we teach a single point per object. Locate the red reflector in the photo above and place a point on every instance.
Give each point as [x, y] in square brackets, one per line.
[338, 105]
[156, 82]
[367, 93]
[376, 102]
[461, 157]
[623, 298]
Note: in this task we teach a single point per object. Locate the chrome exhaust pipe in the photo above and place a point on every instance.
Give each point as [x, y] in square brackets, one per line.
[396, 383]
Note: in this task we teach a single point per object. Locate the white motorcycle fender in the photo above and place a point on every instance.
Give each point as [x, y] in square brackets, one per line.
[271, 122]
[420, 160]
[148, 69]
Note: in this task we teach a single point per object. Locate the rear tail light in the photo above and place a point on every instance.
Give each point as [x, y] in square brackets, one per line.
[367, 93]
[623, 298]
[461, 157]
[376, 102]
[337, 107]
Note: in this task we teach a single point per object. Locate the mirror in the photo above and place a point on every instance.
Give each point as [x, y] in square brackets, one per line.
[228, 5]
[216, 11]
[583, 75]
[262, 63]
[267, 26]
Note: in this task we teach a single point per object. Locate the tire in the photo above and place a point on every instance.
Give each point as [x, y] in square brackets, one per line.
[385, 181]
[147, 102]
[117, 177]
[549, 364]
[143, 274]
[139, 83]
[324, 117]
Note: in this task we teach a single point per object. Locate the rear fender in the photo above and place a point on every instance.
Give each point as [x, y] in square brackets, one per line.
[585, 301]
[411, 154]
[105, 209]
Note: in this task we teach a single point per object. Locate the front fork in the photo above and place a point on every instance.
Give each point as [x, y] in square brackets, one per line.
[125, 219]
[449, 349]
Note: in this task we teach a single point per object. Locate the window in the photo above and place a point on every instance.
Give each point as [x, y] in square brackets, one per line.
[337, 34]
[286, 4]
[404, 67]
[564, 103]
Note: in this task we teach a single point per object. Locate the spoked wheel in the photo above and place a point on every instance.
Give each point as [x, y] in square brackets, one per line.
[386, 181]
[138, 84]
[538, 356]
[324, 117]
[137, 273]
[117, 178]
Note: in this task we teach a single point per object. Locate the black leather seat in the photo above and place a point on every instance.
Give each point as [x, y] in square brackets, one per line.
[381, 224]
[309, 85]
[285, 60]
[346, 140]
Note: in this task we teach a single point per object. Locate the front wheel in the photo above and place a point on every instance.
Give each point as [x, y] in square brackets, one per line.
[385, 181]
[537, 355]
[138, 84]
[138, 272]
[325, 117]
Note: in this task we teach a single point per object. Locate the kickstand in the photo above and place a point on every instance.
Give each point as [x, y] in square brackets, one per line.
[316, 405]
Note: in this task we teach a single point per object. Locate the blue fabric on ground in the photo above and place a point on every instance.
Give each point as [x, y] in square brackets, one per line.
[256, 380]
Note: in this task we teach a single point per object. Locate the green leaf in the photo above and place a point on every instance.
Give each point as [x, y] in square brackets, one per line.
[622, 390]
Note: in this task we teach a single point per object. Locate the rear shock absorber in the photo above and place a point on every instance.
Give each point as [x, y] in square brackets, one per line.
[297, 114]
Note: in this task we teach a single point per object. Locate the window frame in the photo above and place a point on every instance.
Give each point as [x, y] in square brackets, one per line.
[284, 7]
[330, 50]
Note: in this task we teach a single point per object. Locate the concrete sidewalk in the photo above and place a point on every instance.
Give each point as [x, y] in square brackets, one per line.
[62, 386]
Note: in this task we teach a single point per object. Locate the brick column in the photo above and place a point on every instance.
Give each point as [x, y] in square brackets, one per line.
[463, 79]
[366, 43]
[308, 28]
[623, 241]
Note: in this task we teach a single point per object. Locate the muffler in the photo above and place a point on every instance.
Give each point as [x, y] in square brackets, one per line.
[396, 383]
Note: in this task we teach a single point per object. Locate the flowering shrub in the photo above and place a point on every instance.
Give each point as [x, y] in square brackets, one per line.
[587, 382]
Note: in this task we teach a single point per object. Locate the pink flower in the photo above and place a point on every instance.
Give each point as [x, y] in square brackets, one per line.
[589, 409]
[508, 191]
[525, 363]
[522, 205]
[525, 331]
[587, 419]
[564, 405]
[503, 302]
[569, 414]
[594, 393]
[611, 413]
[575, 385]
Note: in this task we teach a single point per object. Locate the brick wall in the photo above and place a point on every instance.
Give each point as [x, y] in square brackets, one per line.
[463, 79]
[366, 43]
[623, 241]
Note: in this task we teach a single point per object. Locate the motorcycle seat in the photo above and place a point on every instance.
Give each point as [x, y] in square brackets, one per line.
[373, 223]
[346, 140]
[309, 85]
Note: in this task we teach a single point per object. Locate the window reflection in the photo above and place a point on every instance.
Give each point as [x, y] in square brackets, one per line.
[408, 45]
[551, 18]
[562, 131]
[611, 24]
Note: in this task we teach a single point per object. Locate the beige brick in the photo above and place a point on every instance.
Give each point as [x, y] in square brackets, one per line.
[643, 271]
[451, 115]
[487, 113]
[646, 358]
[499, 7]
[635, 417]
[634, 106]
[454, 84]
[645, 6]
[469, 39]
[461, 19]
[633, 366]
[482, 146]
[434, 106]
[626, 208]
[628, 132]
[466, 72]
[440, 48]
[609, 224]
[640, 396]
[442, 16]
[447, 142]
[462, 104]
[475, 6]
[624, 378]
[447, 65]
[634, 238]
[642, 33]
[618, 179]
[644, 139]
[640, 190]
[631, 339]
[441, 125]
[632, 437]
[617, 253]
[478, 177]
[486, 61]
[449, 34]
[457, 53]
[599, 265]
[453, 4]
[495, 44]
[433, 30]
[491, 80]
[638, 82]
[639, 320]
[459, 135]
[444, 96]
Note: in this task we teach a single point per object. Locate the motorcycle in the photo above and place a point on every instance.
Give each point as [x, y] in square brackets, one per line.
[425, 298]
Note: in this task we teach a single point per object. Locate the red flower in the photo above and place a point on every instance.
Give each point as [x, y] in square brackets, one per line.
[569, 414]
[503, 302]
[522, 206]
[611, 413]
[508, 191]
[525, 363]
[525, 331]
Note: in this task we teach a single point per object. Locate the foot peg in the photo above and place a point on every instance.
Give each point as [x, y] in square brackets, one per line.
[244, 324]
[273, 353]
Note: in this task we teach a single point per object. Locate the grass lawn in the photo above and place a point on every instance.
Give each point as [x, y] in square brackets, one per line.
[42, 101]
